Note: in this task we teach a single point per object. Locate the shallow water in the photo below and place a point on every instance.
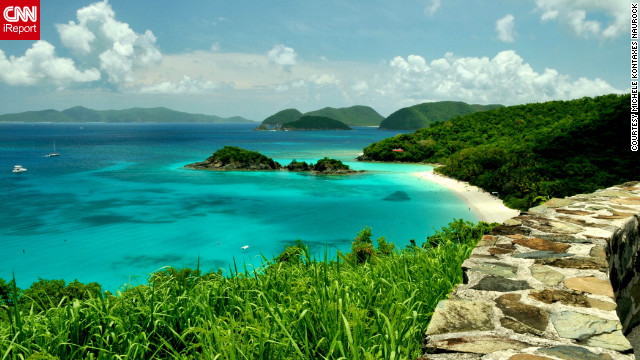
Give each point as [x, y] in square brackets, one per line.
[117, 203]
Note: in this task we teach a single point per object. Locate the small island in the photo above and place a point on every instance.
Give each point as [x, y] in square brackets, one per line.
[309, 122]
[233, 158]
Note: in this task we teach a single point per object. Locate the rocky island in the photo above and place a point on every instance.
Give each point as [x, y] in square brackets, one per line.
[233, 158]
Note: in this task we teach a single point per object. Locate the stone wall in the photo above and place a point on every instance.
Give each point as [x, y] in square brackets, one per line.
[538, 287]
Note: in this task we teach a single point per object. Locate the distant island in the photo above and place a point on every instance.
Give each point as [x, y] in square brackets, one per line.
[422, 115]
[233, 158]
[351, 116]
[133, 115]
[309, 122]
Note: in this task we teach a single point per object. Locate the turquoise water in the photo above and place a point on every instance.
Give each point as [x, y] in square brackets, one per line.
[118, 204]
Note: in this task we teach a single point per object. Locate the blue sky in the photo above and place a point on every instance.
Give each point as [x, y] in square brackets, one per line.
[254, 58]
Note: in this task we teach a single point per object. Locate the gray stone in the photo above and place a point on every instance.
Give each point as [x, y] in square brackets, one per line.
[546, 275]
[614, 341]
[541, 255]
[574, 353]
[501, 284]
[574, 325]
[497, 269]
[584, 263]
[478, 344]
[530, 315]
[458, 316]
[556, 203]
[512, 222]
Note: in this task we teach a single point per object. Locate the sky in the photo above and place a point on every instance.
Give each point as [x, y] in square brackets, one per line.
[254, 58]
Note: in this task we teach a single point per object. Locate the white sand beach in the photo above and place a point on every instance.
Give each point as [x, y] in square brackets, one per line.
[487, 207]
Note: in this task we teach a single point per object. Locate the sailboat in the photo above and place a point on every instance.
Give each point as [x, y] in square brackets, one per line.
[54, 153]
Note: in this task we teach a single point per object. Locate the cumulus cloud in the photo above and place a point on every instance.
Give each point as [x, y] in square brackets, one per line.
[101, 40]
[185, 86]
[505, 79]
[575, 13]
[40, 65]
[324, 79]
[432, 8]
[282, 55]
[505, 28]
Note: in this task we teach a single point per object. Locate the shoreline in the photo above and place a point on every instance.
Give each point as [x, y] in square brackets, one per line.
[486, 206]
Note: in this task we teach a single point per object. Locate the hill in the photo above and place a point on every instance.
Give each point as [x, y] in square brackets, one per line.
[315, 123]
[283, 117]
[527, 153]
[419, 116]
[82, 114]
[353, 116]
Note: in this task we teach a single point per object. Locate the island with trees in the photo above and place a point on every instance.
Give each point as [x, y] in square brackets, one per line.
[357, 115]
[233, 158]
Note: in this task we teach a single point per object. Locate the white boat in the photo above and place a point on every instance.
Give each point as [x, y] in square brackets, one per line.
[54, 153]
[18, 169]
[245, 247]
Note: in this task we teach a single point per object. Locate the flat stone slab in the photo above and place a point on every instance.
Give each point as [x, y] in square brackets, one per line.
[460, 316]
[527, 314]
[579, 326]
[546, 275]
[543, 245]
[479, 344]
[501, 284]
[574, 353]
[541, 255]
[497, 269]
[583, 263]
[590, 285]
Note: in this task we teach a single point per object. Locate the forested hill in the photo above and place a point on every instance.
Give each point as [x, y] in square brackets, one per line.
[353, 116]
[530, 152]
[82, 114]
[422, 115]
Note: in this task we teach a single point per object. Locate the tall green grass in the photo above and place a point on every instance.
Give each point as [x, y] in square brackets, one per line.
[303, 310]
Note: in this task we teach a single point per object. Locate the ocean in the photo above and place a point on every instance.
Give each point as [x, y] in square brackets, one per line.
[117, 204]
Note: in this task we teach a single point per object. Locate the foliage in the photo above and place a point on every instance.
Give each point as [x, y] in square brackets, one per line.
[283, 117]
[459, 232]
[293, 254]
[327, 164]
[244, 158]
[353, 116]
[422, 115]
[294, 165]
[315, 123]
[527, 152]
[283, 310]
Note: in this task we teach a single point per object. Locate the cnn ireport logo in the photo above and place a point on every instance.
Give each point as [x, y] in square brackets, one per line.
[19, 19]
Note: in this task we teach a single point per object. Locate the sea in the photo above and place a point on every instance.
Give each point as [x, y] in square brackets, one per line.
[118, 204]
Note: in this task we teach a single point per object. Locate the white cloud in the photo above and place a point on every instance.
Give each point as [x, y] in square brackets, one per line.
[576, 13]
[324, 79]
[282, 55]
[185, 86]
[432, 8]
[102, 41]
[505, 28]
[504, 79]
[40, 65]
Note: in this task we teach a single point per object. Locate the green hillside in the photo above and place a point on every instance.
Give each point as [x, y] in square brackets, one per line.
[315, 123]
[283, 117]
[82, 114]
[419, 116]
[353, 116]
[527, 153]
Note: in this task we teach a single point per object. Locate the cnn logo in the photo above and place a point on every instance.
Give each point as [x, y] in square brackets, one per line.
[20, 20]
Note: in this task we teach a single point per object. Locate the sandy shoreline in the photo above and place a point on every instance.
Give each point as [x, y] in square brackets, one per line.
[486, 206]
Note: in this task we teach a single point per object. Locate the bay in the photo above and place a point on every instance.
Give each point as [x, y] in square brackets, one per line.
[117, 203]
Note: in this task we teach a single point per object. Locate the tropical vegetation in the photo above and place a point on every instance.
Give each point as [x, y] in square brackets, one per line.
[527, 153]
[371, 303]
[422, 115]
[357, 115]
[309, 122]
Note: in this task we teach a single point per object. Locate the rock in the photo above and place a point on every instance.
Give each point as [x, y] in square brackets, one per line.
[458, 316]
[549, 296]
[487, 240]
[591, 285]
[583, 263]
[528, 357]
[556, 203]
[541, 255]
[478, 344]
[628, 201]
[598, 251]
[546, 275]
[614, 341]
[566, 352]
[543, 245]
[501, 284]
[602, 305]
[574, 212]
[497, 269]
[530, 315]
[499, 251]
[512, 222]
[510, 230]
[575, 325]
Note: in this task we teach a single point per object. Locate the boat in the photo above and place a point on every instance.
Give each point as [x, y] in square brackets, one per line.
[245, 247]
[18, 169]
[54, 153]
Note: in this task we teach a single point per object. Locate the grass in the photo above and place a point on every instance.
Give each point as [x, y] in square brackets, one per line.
[288, 310]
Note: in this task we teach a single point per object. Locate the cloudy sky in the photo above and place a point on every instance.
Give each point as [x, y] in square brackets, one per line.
[253, 58]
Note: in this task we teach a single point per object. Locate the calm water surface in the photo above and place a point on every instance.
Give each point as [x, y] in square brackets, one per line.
[117, 203]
